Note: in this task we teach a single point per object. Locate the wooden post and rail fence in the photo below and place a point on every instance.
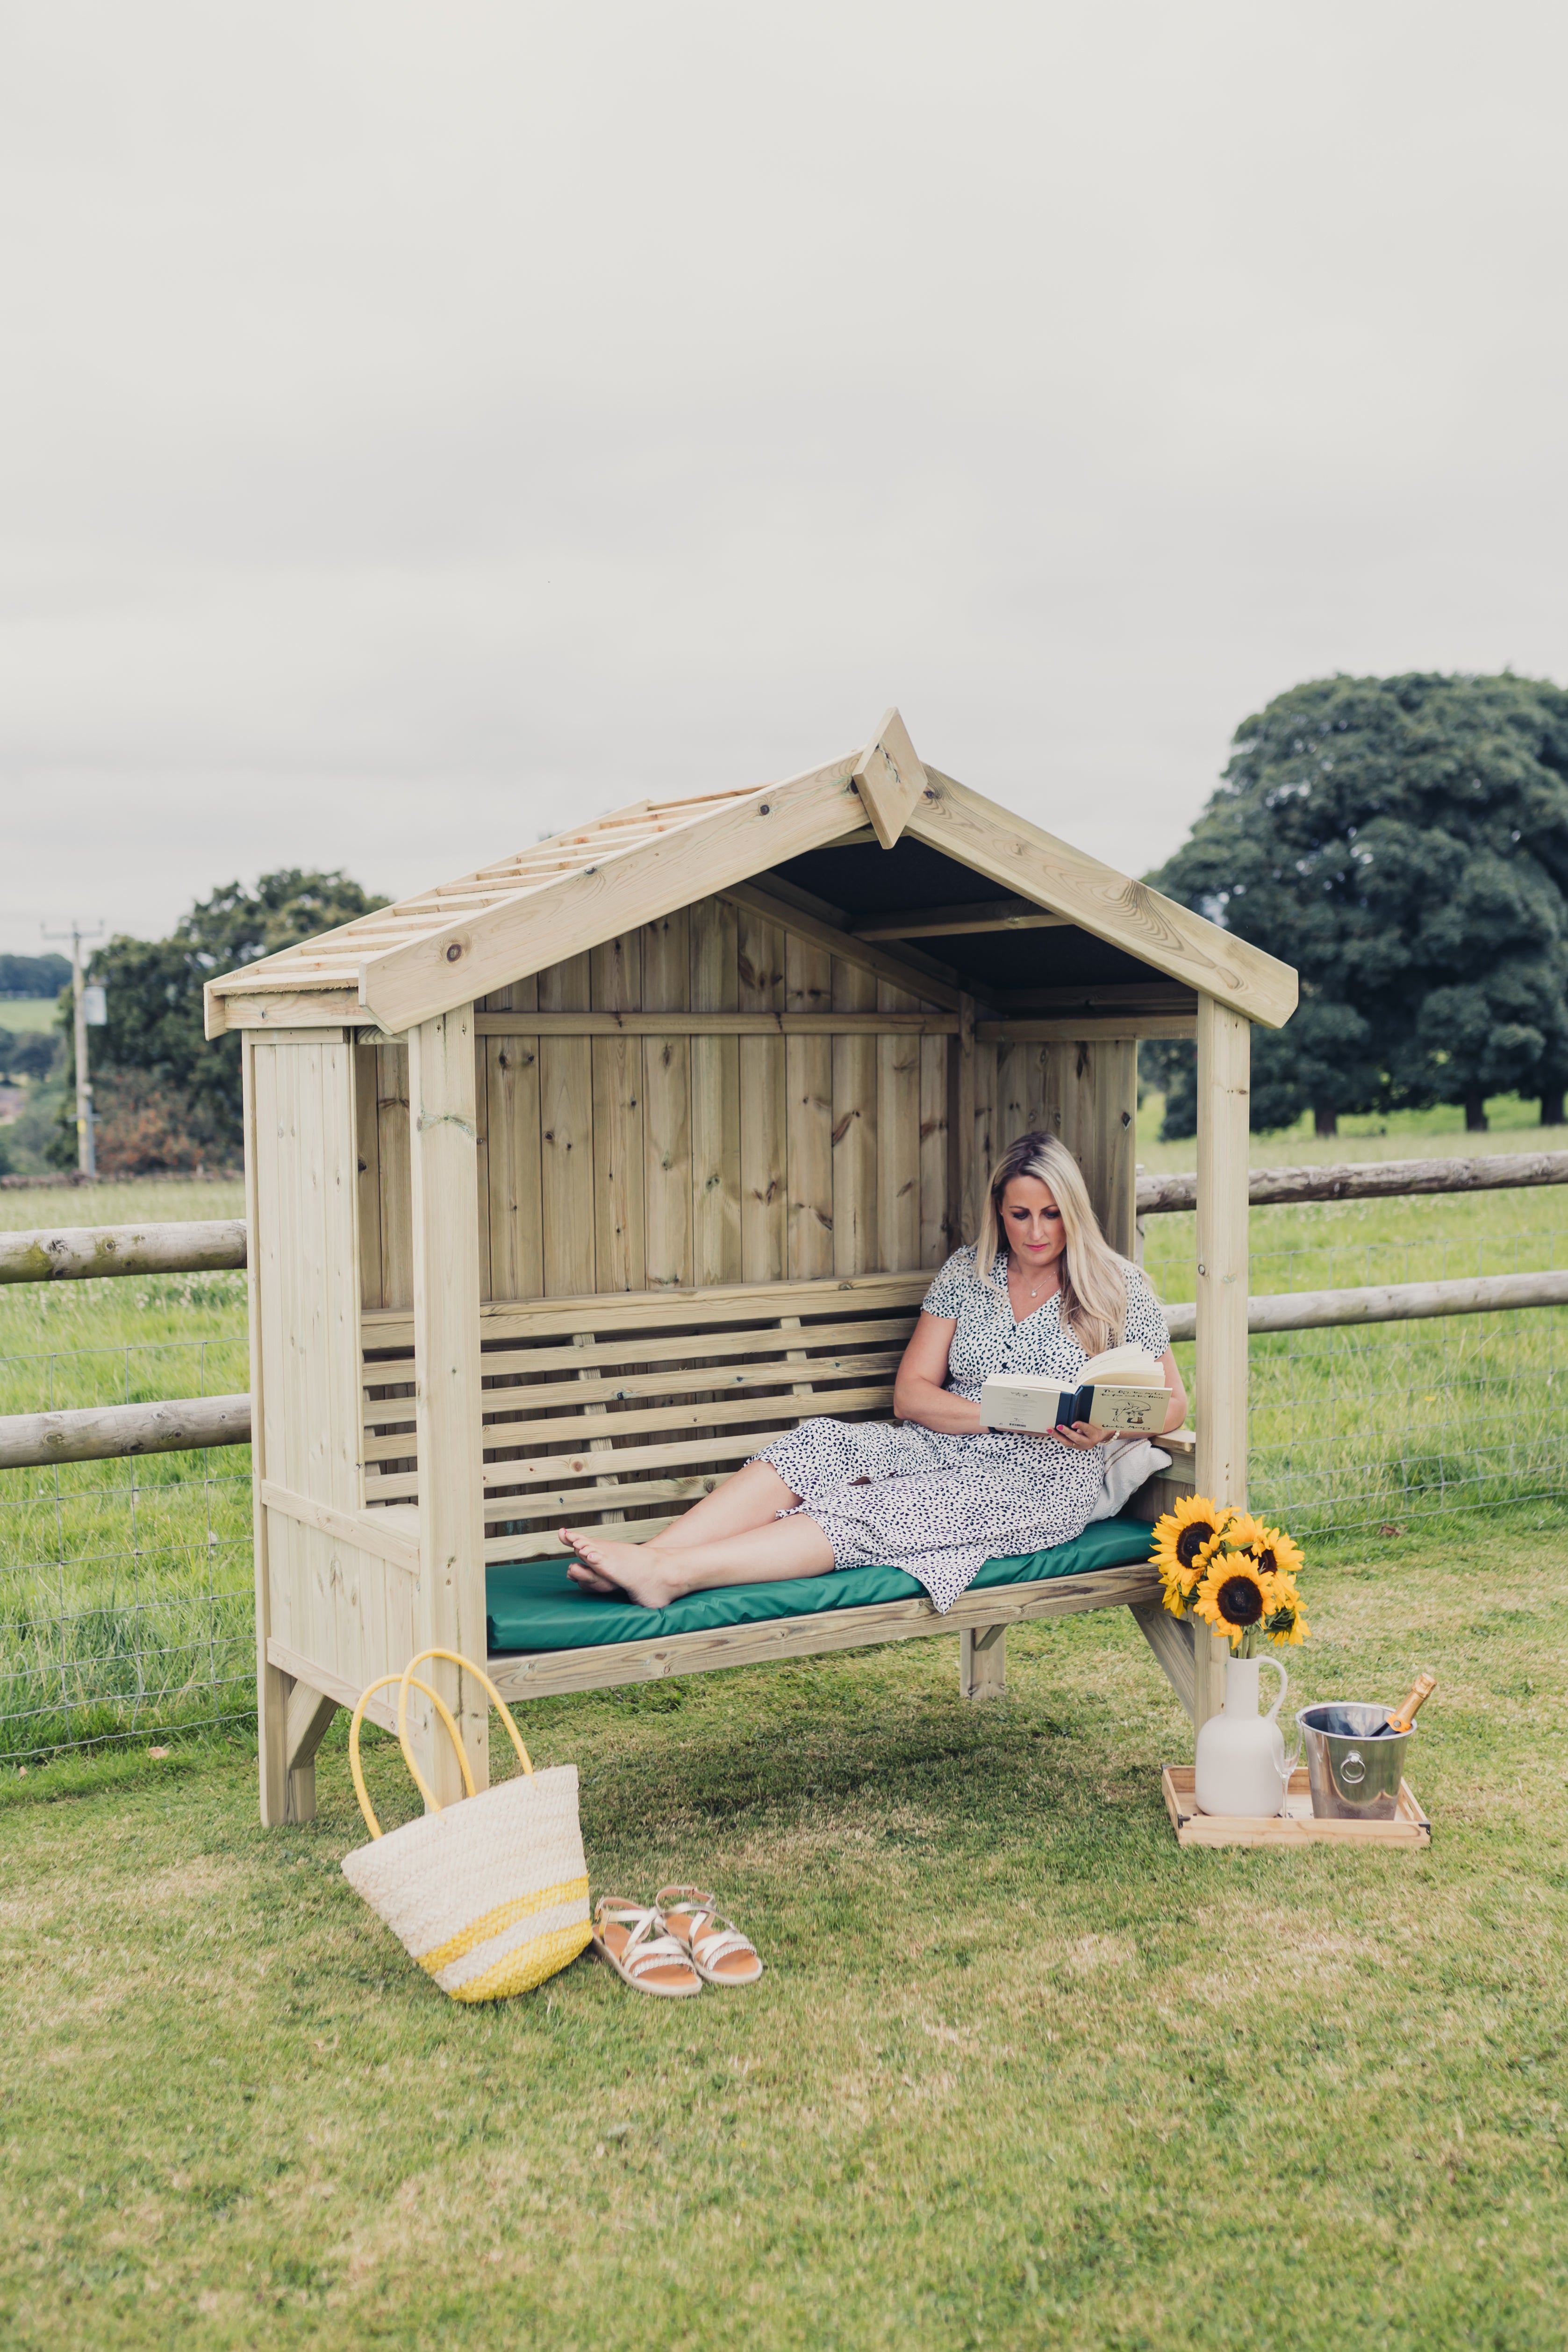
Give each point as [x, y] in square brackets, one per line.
[102, 1433]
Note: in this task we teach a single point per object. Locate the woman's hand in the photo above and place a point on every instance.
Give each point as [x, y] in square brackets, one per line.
[1083, 1436]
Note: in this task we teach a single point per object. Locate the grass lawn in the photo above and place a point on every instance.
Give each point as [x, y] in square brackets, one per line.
[1020, 2070]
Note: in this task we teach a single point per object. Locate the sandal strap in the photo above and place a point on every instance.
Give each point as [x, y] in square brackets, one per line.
[683, 1899]
[662, 1953]
[721, 1943]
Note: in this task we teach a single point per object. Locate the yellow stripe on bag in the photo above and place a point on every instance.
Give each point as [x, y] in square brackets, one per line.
[504, 1915]
[526, 1965]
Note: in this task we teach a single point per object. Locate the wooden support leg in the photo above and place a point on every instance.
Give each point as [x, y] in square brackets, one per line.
[1223, 1063]
[982, 1662]
[447, 1396]
[1171, 1639]
[309, 1713]
[272, 1688]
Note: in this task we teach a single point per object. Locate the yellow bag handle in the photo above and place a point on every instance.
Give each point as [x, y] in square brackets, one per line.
[442, 1709]
[496, 1700]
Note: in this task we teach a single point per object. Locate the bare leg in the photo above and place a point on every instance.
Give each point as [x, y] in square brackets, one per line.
[653, 1577]
[752, 1499]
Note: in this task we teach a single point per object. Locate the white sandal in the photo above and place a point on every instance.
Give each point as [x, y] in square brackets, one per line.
[625, 1940]
[719, 1953]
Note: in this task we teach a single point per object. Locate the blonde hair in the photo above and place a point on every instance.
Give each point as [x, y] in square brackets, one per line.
[1093, 1277]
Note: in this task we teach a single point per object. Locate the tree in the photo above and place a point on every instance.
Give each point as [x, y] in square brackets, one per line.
[155, 995]
[1404, 842]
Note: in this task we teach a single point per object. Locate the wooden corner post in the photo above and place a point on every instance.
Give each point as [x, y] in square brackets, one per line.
[1224, 1042]
[450, 1608]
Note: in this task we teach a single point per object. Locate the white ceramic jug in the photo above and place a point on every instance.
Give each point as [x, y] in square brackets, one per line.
[1241, 1767]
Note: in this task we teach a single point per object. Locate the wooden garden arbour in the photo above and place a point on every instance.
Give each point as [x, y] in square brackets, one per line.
[570, 1180]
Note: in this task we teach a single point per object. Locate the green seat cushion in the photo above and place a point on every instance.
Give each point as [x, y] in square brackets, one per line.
[532, 1605]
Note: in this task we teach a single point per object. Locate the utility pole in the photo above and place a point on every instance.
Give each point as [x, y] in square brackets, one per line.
[86, 1148]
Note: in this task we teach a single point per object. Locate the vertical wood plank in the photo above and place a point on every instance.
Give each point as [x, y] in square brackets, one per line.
[715, 1098]
[566, 1136]
[965, 1183]
[898, 1136]
[855, 1239]
[765, 1114]
[272, 1687]
[666, 1105]
[1223, 1057]
[396, 1214]
[367, 1142]
[989, 1139]
[482, 1159]
[808, 1067]
[446, 1375]
[1224, 1042]
[516, 1224]
[619, 1212]
[935, 1223]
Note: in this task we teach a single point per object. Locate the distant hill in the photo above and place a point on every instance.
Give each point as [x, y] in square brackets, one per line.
[43, 975]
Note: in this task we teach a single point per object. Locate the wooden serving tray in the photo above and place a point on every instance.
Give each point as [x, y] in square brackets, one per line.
[1298, 1825]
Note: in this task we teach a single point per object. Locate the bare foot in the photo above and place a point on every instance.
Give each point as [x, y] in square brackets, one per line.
[636, 1570]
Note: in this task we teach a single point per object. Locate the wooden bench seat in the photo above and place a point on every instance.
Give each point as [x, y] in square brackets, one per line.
[605, 1411]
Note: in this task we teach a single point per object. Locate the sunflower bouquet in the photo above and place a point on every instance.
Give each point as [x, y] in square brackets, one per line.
[1229, 1568]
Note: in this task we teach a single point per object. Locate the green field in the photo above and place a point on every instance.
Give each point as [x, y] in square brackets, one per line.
[25, 1014]
[125, 1588]
[1020, 2073]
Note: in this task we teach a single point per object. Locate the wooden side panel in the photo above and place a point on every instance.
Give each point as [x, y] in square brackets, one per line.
[897, 1137]
[764, 1117]
[666, 1105]
[514, 1209]
[304, 1181]
[715, 1098]
[566, 1138]
[392, 1159]
[808, 1063]
[619, 1218]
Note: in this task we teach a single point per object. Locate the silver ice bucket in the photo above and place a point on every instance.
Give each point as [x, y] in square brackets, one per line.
[1354, 1776]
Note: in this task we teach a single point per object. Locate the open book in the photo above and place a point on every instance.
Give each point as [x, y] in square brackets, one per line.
[1123, 1388]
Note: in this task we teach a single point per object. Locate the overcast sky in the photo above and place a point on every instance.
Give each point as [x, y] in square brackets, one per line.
[424, 426]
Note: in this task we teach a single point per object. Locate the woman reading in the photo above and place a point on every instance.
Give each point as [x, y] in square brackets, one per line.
[934, 1492]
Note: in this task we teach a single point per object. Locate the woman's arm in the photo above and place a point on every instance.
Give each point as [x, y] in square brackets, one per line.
[918, 1392]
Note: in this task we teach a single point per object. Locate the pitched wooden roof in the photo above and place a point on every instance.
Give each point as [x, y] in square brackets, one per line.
[451, 944]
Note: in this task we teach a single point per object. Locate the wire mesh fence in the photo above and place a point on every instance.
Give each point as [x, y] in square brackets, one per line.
[126, 1605]
[1382, 1425]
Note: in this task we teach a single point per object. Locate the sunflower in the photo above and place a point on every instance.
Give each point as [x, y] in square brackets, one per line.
[1277, 1553]
[1284, 1621]
[1185, 1541]
[1234, 1596]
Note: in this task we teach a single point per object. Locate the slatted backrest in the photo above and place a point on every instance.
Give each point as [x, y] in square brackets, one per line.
[618, 1412]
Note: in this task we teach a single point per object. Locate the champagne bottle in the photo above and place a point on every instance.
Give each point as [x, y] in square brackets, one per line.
[1406, 1715]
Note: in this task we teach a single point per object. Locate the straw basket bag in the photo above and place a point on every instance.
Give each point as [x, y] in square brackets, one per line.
[490, 1896]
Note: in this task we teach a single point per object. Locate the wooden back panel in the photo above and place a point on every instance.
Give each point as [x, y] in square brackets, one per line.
[607, 1413]
[625, 1163]
[620, 1163]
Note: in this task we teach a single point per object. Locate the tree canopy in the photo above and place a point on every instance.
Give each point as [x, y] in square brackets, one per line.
[155, 987]
[1403, 843]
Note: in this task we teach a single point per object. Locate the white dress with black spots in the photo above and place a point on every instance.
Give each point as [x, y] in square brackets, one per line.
[939, 1505]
